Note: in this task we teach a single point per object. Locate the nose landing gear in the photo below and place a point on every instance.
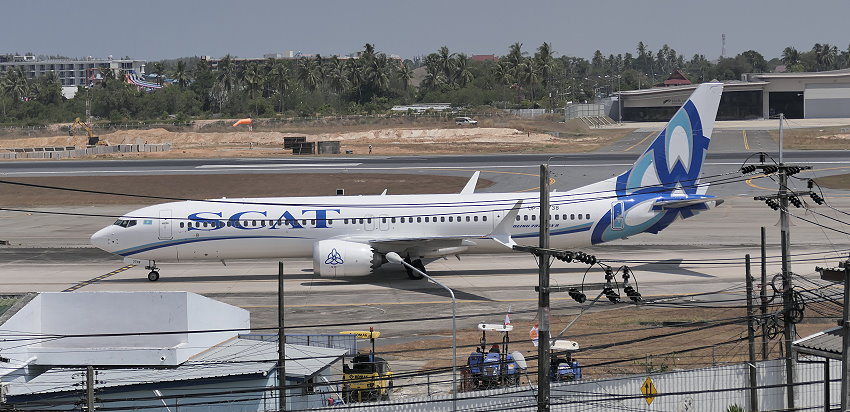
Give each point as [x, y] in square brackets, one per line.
[153, 276]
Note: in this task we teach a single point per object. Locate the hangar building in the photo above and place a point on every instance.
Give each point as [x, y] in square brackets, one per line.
[805, 95]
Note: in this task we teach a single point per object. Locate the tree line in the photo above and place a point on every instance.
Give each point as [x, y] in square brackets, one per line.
[372, 82]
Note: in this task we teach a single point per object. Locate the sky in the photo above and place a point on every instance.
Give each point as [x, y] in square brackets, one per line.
[156, 29]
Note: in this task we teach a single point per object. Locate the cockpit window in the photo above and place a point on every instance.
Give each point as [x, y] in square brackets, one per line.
[125, 222]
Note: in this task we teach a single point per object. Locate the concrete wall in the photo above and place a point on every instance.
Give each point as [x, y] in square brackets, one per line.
[827, 100]
[66, 153]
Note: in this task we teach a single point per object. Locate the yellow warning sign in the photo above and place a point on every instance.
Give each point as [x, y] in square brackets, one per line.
[648, 390]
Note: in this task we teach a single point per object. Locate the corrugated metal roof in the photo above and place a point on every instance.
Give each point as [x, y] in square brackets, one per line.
[231, 358]
[827, 342]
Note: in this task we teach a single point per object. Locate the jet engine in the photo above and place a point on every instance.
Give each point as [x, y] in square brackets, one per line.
[340, 258]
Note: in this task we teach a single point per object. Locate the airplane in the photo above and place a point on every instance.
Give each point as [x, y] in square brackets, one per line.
[350, 236]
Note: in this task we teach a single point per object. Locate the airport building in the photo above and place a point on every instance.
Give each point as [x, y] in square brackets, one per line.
[70, 72]
[804, 95]
[146, 355]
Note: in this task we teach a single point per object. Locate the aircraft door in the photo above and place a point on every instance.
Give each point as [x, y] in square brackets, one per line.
[383, 222]
[369, 222]
[617, 216]
[165, 224]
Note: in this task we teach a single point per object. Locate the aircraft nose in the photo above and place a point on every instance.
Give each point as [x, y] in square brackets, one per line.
[100, 239]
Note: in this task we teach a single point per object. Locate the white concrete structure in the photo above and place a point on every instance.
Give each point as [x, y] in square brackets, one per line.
[129, 317]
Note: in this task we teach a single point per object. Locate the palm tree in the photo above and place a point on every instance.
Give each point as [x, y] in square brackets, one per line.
[308, 74]
[181, 75]
[159, 70]
[337, 75]
[446, 63]
[790, 57]
[545, 61]
[106, 75]
[503, 73]
[404, 75]
[462, 75]
[279, 77]
[253, 80]
[225, 73]
[515, 54]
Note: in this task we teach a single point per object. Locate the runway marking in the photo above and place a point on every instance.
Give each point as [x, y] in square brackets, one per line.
[652, 133]
[278, 165]
[98, 279]
[746, 142]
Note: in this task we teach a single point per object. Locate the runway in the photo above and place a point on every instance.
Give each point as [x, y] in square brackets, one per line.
[700, 255]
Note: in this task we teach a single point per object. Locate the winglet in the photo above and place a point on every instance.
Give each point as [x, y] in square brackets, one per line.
[502, 231]
[470, 185]
[384, 193]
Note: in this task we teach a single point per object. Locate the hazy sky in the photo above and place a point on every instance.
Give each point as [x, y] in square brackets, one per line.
[156, 29]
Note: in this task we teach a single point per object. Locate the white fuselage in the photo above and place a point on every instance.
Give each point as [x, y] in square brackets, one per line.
[288, 227]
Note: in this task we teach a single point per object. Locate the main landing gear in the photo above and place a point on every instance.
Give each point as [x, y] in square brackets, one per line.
[418, 265]
[153, 276]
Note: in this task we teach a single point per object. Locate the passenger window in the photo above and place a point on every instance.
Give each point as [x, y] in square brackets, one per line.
[475, 218]
[418, 219]
[383, 220]
[556, 217]
[525, 217]
[534, 217]
[330, 222]
[345, 221]
[572, 217]
[517, 218]
[368, 220]
[565, 217]
[181, 225]
[484, 218]
[579, 216]
[313, 222]
[587, 216]
[360, 221]
[392, 220]
[468, 219]
[197, 224]
[442, 219]
[427, 220]
[451, 219]
[401, 219]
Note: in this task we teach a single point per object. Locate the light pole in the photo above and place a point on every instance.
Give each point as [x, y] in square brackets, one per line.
[393, 257]
[619, 101]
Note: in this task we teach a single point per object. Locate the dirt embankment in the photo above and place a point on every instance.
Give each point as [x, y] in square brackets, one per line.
[494, 136]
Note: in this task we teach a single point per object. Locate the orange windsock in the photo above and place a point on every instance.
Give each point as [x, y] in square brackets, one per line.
[243, 121]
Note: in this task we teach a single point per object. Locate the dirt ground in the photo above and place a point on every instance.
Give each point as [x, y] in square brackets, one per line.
[835, 181]
[624, 340]
[827, 138]
[216, 186]
[387, 137]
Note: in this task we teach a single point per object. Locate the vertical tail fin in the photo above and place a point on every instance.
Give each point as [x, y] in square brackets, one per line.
[673, 161]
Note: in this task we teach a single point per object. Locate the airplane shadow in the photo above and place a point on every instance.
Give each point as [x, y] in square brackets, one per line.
[672, 267]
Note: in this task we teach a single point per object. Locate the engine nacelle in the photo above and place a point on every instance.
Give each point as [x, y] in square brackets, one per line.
[340, 258]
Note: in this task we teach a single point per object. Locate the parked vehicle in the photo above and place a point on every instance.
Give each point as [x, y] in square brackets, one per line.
[461, 121]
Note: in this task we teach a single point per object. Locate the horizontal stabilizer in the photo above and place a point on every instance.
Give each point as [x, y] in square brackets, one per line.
[502, 232]
[681, 203]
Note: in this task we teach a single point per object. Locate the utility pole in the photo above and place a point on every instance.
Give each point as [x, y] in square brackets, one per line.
[784, 197]
[89, 389]
[751, 339]
[281, 342]
[543, 354]
[765, 343]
